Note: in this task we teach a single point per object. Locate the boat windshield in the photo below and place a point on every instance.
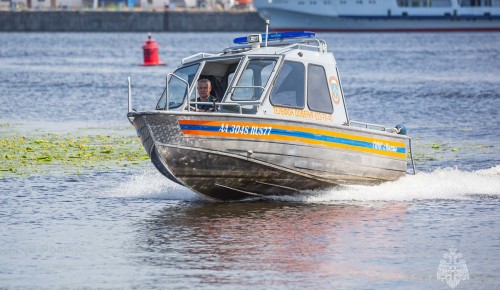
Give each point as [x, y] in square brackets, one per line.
[178, 87]
[253, 79]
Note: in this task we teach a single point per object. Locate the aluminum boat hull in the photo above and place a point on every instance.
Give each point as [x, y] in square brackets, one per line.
[268, 157]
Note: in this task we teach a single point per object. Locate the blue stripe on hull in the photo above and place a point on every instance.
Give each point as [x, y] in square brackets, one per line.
[298, 134]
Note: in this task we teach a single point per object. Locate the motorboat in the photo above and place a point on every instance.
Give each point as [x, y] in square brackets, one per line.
[278, 124]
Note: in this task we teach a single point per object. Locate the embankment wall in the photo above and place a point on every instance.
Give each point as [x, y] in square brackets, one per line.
[174, 21]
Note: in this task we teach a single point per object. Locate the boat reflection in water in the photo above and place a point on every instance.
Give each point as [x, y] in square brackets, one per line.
[277, 124]
[286, 243]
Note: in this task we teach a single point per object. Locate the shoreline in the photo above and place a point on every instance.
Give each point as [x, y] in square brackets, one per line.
[129, 21]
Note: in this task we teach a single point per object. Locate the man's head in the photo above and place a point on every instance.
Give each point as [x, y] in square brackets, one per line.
[204, 88]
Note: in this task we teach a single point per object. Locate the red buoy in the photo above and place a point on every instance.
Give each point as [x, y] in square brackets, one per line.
[150, 49]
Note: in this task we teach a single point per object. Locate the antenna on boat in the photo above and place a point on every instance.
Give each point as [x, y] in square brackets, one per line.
[267, 30]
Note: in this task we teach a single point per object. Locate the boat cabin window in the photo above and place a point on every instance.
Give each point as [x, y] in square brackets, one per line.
[253, 80]
[318, 94]
[178, 85]
[217, 73]
[289, 88]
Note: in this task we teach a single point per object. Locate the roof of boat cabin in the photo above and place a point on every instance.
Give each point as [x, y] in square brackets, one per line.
[281, 47]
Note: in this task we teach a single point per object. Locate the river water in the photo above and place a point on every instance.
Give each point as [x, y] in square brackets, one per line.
[123, 228]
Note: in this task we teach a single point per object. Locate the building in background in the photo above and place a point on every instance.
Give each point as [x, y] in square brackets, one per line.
[42, 4]
[140, 5]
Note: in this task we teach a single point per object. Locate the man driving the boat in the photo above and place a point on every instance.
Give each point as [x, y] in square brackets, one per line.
[204, 90]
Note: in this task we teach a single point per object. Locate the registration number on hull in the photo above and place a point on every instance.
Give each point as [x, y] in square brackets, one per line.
[245, 130]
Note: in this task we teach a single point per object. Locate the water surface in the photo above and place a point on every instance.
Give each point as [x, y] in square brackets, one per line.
[129, 227]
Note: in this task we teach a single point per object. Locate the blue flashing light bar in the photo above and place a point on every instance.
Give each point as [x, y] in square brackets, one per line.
[278, 36]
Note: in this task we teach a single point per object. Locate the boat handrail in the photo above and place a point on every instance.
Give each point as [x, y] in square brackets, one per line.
[224, 104]
[237, 49]
[411, 156]
[239, 106]
[248, 87]
[198, 103]
[390, 130]
[129, 95]
[197, 56]
[320, 46]
[370, 126]
[242, 104]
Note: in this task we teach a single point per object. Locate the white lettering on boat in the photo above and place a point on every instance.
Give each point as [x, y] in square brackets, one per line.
[245, 130]
[385, 147]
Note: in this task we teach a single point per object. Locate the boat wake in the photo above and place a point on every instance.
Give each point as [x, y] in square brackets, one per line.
[447, 183]
[152, 185]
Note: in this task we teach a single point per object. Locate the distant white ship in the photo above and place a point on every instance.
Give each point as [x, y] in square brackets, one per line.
[381, 15]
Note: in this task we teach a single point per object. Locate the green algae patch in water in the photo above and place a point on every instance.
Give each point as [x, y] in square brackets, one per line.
[54, 153]
[425, 152]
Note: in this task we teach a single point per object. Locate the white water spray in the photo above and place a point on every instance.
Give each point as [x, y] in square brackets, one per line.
[151, 184]
[447, 183]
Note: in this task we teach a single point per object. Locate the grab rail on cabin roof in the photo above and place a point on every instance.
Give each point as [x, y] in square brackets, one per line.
[197, 56]
[318, 44]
